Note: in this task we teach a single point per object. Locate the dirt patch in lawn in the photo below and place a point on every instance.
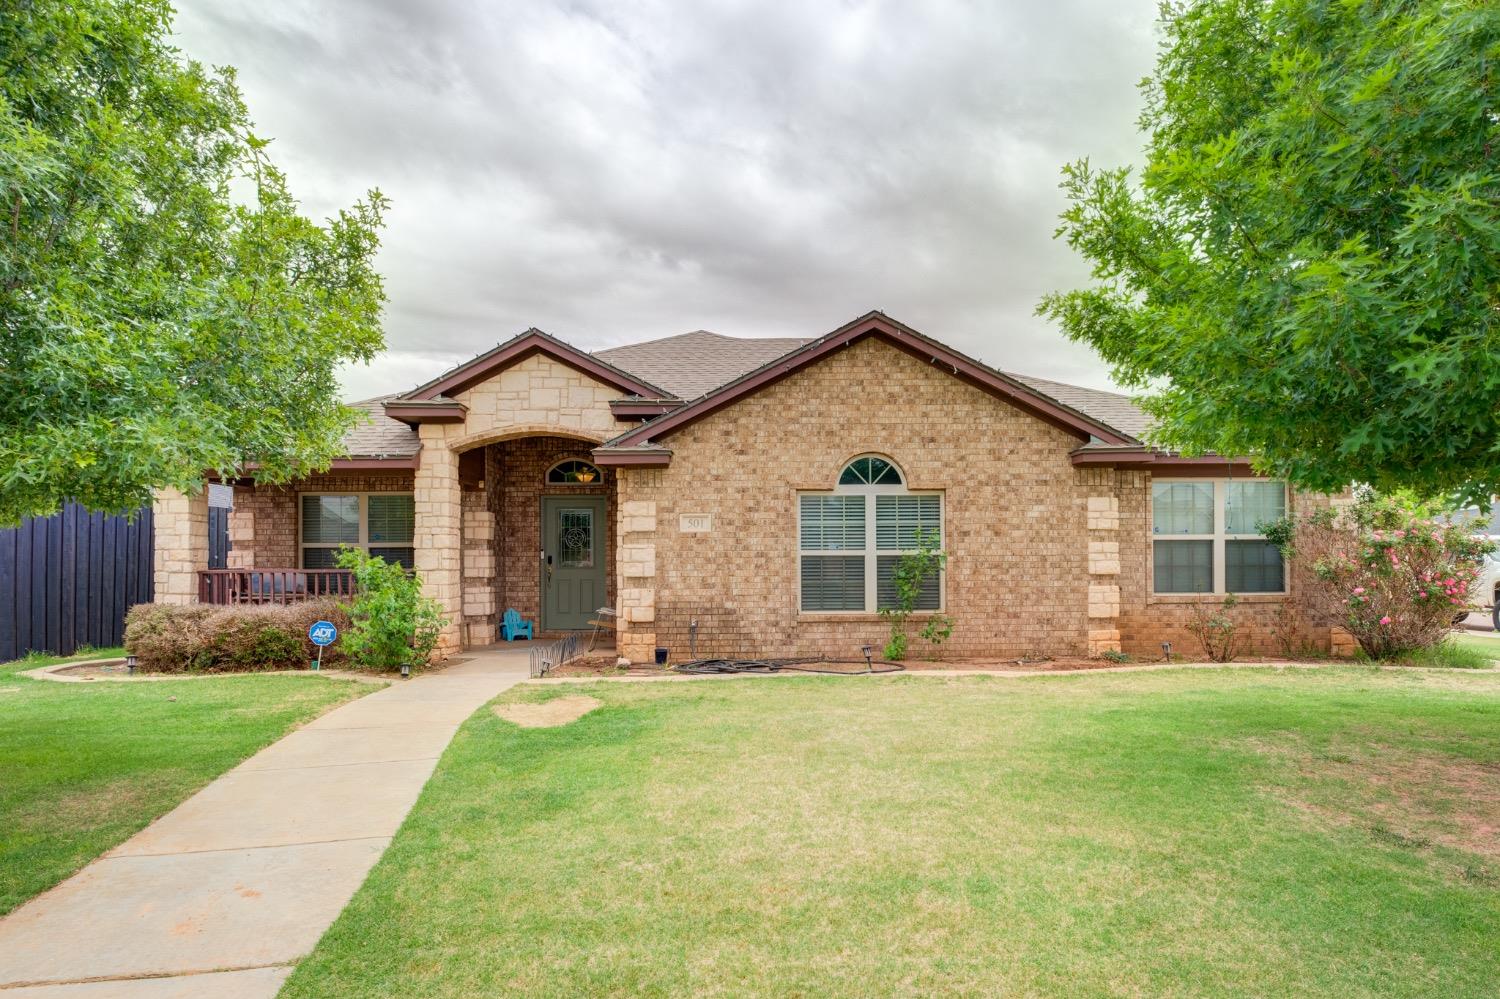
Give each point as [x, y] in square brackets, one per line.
[549, 714]
[1410, 798]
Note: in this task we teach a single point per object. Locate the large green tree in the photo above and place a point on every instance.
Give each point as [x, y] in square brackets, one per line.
[165, 308]
[1307, 270]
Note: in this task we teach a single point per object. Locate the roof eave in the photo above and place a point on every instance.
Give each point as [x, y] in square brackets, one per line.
[632, 457]
[416, 411]
[1155, 459]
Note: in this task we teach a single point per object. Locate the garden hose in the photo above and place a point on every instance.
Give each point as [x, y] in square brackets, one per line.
[705, 667]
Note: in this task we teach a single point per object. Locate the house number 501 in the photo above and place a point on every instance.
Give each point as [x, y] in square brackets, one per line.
[696, 523]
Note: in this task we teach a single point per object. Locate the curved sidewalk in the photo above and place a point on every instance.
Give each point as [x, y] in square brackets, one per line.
[224, 893]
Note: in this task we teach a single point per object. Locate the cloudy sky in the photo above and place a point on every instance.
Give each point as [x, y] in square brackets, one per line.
[617, 170]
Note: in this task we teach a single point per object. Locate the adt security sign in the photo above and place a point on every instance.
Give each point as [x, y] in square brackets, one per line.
[320, 634]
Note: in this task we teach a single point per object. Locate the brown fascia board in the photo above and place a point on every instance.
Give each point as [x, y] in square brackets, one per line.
[1167, 462]
[373, 463]
[517, 349]
[643, 407]
[632, 457]
[899, 335]
[414, 411]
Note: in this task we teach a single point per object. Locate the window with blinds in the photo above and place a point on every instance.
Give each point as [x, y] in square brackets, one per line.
[383, 524]
[846, 566]
[1207, 536]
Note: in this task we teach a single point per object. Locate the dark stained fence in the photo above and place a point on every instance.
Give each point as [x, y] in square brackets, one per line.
[218, 537]
[67, 580]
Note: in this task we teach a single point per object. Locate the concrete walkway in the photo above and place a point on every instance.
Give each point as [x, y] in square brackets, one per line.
[221, 895]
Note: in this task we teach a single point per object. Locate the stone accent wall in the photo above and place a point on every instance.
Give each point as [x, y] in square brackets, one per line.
[439, 532]
[181, 545]
[263, 524]
[1103, 520]
[534, 395]
[1015, 515]
[480, 618]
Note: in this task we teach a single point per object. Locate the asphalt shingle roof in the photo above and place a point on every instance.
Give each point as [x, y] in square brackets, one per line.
[380, 436]
[694, 364]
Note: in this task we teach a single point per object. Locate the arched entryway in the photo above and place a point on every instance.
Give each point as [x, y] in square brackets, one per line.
[537, 534]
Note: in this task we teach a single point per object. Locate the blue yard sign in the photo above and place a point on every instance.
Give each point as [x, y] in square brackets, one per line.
[320, 634]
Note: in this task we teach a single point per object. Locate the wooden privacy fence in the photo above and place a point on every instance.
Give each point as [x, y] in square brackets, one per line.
[67, 580]
[271, 586]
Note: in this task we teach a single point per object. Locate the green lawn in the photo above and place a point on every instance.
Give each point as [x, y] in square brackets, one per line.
[1185, 833]
[83, 766]
[1486, 642]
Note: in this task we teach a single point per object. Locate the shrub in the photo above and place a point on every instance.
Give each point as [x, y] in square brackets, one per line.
[390, 623]
[209, 638]
[911, 571]
[1215, 630]
[1386, 570]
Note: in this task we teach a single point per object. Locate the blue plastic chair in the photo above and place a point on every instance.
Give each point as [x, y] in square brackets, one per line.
[513, 627]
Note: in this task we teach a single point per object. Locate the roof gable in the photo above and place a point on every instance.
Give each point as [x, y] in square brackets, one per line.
[875, 324]
[518, 348]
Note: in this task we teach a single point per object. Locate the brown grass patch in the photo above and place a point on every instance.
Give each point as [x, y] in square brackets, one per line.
[549, 714]
[1410, 798]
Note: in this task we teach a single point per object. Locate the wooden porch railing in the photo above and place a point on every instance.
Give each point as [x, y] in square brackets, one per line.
[271, 586]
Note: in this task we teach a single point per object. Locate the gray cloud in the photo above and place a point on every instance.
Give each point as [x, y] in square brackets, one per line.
[622, 169]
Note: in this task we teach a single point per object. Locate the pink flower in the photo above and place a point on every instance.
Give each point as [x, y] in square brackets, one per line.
[1385, 620]
[1400, 534]
[1358, 590]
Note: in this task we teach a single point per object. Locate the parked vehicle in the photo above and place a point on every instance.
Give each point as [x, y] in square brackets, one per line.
[1487, 586]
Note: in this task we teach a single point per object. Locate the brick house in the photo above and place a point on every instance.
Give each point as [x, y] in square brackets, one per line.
[750, 496]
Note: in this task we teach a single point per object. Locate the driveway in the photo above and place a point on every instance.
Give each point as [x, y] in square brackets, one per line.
[224, 893]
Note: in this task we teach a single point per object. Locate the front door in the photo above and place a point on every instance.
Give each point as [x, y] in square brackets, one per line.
[573, 540]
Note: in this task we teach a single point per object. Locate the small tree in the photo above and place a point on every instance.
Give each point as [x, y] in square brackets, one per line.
[911, 573]
[1306, 269]
[391, 623]
[166, 308]
[1215, 630]
[1386, 570]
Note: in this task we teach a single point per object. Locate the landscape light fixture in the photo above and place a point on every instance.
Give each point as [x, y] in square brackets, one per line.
[869, 666]
[130, 665]
[1166, 651]
[406, 671]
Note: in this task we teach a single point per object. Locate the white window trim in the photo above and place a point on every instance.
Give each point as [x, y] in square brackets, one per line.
[1219, 536]
[870, 552]
[364, 524]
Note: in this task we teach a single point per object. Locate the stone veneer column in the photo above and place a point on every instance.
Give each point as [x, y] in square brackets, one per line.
[181, 526]
[1104, 569]
[439, 537]
[637, 580]
[479, 568]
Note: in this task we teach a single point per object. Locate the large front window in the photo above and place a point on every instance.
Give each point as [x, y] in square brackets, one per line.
[1207, 536]
[849, 540]
[383, 524]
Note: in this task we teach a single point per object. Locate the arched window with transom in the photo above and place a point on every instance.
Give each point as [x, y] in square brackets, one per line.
[850, 538]
[572, 472]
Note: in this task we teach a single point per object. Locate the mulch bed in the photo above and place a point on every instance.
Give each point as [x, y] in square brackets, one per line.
[605, 665]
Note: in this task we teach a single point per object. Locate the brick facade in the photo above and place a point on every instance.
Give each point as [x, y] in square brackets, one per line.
[1015, 515]
[1045, 558]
